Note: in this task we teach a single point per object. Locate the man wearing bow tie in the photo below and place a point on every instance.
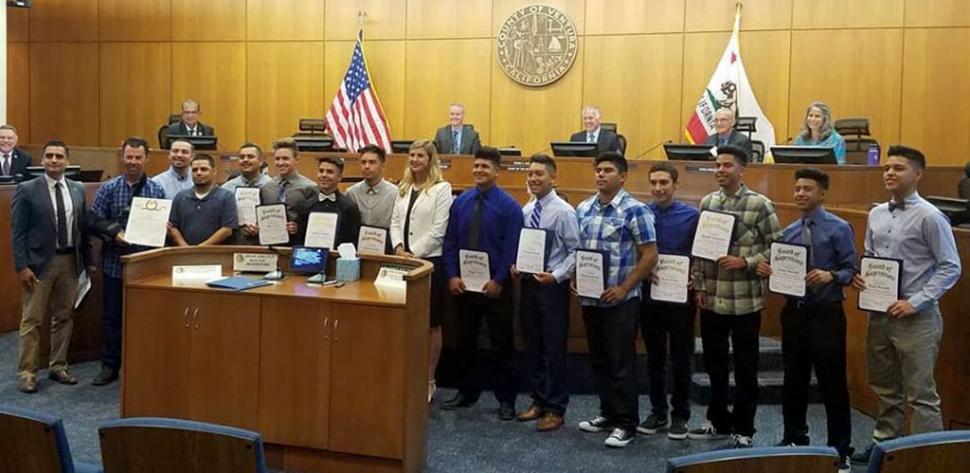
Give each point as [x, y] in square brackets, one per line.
[329, 172]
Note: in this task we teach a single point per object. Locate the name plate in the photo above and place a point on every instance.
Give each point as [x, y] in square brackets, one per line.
[255, 262]
[201, 272]
[392, 275]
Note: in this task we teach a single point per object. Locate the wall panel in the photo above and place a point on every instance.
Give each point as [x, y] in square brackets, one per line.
[213, 74]
[284, 20]
[937, 13]
[718, 15]
[847, 13]
[18, 25]
[136, 90]
[385, 19]
[385, 63]
[448, 19]
[936, 94]
[634, 16]
[211, 20]
[281, 89]
[141, 20]
[442, 72]
[18, 89]
[61, 108]
[574, 9]
[64, 20]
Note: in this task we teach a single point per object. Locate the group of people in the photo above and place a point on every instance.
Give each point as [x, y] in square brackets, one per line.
[52, 227]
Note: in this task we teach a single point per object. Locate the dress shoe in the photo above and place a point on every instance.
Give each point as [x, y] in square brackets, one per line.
[105, 377]
[532, 413]
[506, 410]
[549, 422]
[27, 385]
[62, 376]
[461, 400]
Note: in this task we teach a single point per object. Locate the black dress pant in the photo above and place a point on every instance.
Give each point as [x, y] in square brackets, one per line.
[611, 333]
[664, 324]
[471, 308]
[740, 333]
[813, 336]
[112, 297]
[545, 326]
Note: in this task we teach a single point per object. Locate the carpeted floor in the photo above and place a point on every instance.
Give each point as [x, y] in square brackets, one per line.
[472, 440]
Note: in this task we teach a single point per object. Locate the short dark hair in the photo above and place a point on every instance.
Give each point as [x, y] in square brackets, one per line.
[60, 144]
[339, 162]
[250, 144]
[489, 153]
[381, 154]
[612, 157]
[544, 159]
[204, 157]
[814, 174]
[665, 167]
[186, 141]
[135, 142]
[914, 155]
[739, 154]
[287, 143]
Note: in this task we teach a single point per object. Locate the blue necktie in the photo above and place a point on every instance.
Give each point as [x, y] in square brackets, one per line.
[455, 146]
[536, 213]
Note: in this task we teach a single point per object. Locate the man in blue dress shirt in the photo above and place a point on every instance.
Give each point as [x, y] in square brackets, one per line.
[484, 218]
[903, 343]
[545, 297]
[813, 327]
[614, 222]
[663, 323]
[177, 178]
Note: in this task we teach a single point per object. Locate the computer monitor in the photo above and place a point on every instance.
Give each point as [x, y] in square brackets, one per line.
[510, 151]
[402, 146]
[199, 143]
[678, 152]
[957, 210]
[573, 149]
[314, 144]
[90, 175]
[304, 260]
[803, 155]
[70, 172]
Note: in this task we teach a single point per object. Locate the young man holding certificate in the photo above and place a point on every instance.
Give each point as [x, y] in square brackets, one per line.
[545, 264]
[730, 294]
[813, 321]
[251, 188]
[903, 340]
[329, 201]
[667, 313]
[479, 250]
[617, 239]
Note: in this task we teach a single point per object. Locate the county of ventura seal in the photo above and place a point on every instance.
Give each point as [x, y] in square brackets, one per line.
[537, 45]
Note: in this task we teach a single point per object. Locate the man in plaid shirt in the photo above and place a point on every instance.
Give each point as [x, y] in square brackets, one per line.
[614, 222]
[110, 210]
[731, 296]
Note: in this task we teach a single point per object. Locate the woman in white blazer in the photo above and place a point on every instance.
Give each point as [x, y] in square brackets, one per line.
[418, 226]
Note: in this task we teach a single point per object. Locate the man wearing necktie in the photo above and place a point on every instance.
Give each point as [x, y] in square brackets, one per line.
[605, 140]
[50, 249]
[456, 137]
[484, 218]
[12, 160]
[190, 125]
[725, 134]
[295, 190]
[813, 326]
[329, 172]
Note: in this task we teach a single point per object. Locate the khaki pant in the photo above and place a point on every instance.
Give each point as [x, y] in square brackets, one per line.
[54, 292]
[902, 354]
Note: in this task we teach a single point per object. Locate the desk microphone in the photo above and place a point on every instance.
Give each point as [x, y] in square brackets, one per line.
[652, 148]
[789, 139]
[278, 274]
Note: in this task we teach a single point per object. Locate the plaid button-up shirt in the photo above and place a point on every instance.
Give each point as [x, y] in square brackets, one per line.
[113, 202]
[741, 291]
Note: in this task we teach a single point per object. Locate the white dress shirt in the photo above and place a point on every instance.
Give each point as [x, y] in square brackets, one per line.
[68, 205]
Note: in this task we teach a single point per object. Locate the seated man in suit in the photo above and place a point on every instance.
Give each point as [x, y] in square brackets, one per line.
[724, 120]
[456, 137]
[190, 125]
[12, 160]
[592, 133]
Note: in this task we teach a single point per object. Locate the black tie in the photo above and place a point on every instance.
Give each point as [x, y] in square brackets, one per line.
[475, 228]
[61, 217]
[897, 205]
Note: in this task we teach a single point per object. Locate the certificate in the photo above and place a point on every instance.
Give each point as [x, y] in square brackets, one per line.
[271, 220]
[789, 265]
[531, 257]
[372, 240]
[474, 269]
[714, 233]
[148, 222]
[247, 198]
[591, 272]
[321, 230]
[883, 278]
[671, 276]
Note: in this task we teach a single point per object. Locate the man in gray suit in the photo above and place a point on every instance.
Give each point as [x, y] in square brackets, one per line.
[190, 125]
[724, 120]
[456, 137]
[50, 250]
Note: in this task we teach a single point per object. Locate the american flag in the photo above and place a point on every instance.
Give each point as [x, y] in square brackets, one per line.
[356, 118]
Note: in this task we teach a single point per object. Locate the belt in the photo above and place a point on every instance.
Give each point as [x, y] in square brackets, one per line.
[64, 251]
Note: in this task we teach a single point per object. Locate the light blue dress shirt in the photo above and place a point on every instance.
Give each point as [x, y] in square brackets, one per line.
[834, 141]
[172, 184]
[558, 218]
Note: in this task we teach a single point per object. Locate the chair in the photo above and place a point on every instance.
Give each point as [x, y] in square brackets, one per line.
[855, 131]
[757, 151]
[163, 137]
[746, 125]
[935, 451]
[622, 140]
[35, 443]
[759, 460]
[608, 127]
[157, 445]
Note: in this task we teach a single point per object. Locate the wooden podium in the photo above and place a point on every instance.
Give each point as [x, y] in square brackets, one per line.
[335, 379]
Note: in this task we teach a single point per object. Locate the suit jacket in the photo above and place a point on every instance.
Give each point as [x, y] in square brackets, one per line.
[19, 162]
[737, 139]
[33, 225]
[179, 128]
[606, 141]
[470, 143]
[429, 220]
[348, 219]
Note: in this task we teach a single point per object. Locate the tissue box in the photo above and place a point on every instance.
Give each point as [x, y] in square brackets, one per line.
[348, 269]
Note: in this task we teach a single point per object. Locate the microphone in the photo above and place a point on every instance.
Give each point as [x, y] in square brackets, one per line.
[789, 139]
[653, 148]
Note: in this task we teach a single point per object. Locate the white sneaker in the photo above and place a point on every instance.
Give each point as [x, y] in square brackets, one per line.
[597, 424]
[742, 441]
[620, 437]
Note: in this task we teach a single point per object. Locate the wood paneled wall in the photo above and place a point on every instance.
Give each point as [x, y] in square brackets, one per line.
[94, 71]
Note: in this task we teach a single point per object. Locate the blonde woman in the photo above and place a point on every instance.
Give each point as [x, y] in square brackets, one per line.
[418, 226]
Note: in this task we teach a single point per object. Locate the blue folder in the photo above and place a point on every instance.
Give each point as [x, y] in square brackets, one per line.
[237, 283]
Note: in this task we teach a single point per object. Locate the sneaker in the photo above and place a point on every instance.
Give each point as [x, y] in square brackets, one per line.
[845, 466]
[863, 456]
[706, 432]
[599, 424]
[677, 430]
[620, 437]
[791, 443]
[742, 441]
[653, 424]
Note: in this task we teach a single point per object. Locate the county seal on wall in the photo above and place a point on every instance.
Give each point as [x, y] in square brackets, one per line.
[537, 45]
